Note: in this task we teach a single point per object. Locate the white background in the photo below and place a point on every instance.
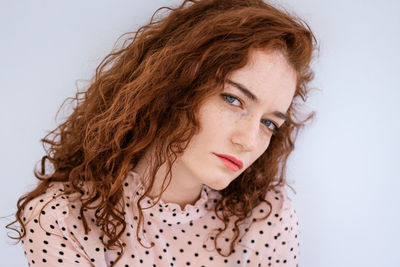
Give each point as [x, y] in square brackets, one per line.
[344, 168]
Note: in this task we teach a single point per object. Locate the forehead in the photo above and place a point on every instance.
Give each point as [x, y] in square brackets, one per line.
[269, 76]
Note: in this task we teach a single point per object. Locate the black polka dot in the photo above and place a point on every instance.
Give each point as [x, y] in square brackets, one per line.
[177, 234]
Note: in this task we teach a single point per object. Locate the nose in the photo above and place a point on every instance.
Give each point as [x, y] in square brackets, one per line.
[245, 134]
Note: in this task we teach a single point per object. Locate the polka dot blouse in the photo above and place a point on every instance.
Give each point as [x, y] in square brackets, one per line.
[181, 237]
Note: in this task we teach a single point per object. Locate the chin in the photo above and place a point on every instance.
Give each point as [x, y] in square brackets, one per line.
[213, 187]
[219, 184]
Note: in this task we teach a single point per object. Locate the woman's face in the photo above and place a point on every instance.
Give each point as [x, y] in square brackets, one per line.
[239, 121]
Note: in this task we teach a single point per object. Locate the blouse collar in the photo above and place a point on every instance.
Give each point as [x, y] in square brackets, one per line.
[168, 212]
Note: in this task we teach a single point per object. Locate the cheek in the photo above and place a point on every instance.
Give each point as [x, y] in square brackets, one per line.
[263, 146]
[257, 155]
[263, 150]
[211, 123]
[213, 119]
[264, 141]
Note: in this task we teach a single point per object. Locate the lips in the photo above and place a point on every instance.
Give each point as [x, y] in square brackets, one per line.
[232, 159]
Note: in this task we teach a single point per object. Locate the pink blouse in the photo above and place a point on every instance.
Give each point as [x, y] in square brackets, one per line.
[181, 237]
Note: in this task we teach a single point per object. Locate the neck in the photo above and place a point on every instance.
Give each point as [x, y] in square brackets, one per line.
[181, 189]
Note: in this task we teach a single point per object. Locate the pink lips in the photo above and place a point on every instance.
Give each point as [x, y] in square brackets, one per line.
[230, 162]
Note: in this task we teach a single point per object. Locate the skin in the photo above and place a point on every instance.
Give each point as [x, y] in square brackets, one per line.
[230, 125]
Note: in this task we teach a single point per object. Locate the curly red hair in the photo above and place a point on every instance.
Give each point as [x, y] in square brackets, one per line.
[148, 92]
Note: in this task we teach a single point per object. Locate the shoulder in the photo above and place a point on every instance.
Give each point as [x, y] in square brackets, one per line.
[47, 203]
[277, 204]
[278, 234]
[283, 214]
[53, 223]
[51, 211]
[279, 208]
[55, 206]
[282, 205]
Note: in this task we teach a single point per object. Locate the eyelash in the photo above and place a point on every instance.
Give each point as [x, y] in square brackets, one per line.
[274, 131]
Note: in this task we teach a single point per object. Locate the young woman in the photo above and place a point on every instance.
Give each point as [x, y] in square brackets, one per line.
[176, 153]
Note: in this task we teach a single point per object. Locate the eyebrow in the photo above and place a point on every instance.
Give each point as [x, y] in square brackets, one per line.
[254, 98]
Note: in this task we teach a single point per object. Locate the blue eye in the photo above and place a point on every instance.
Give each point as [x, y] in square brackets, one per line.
[269, 124]
[230, 98]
